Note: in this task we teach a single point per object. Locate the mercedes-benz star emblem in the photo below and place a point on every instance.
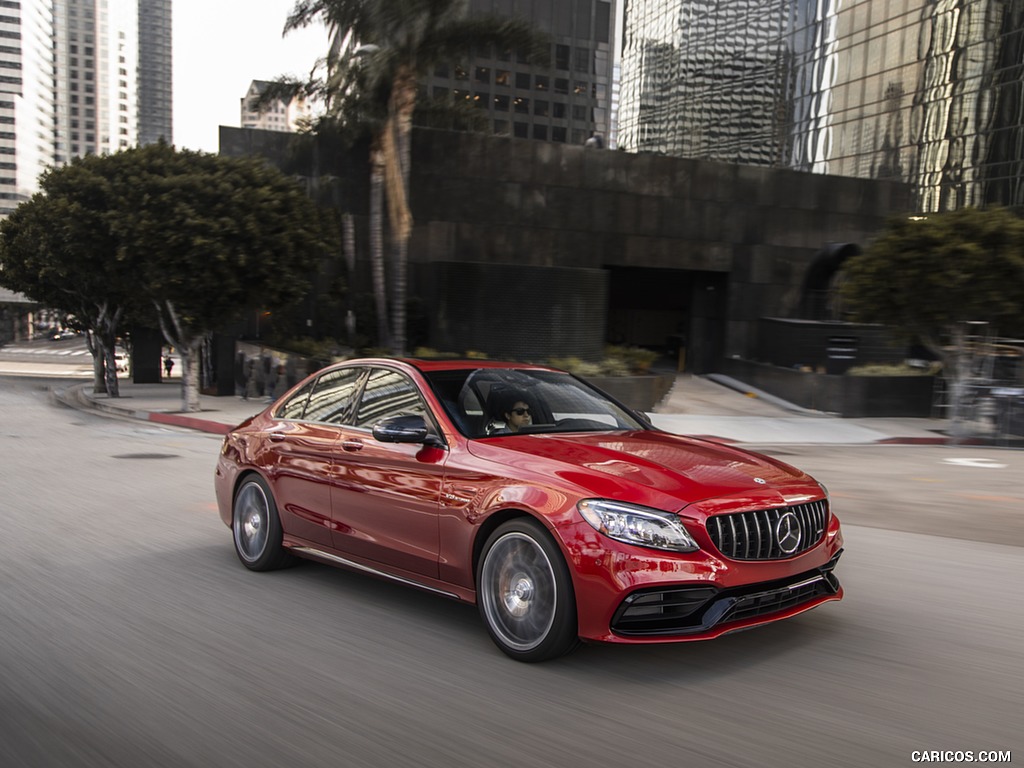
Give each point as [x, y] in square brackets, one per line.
[788, 533]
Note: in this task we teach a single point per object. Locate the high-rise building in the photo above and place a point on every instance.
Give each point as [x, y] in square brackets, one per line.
[155, 64]
[78, 77]
[96, 72]
[278, 115]
[567, 100]
[27, 98]
[925, 91]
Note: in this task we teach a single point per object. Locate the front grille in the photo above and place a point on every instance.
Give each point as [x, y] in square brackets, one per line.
[769, 534]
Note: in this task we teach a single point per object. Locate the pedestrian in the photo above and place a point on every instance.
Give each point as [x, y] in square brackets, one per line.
[168, 365]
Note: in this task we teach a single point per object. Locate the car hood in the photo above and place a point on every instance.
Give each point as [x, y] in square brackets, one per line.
[619, 464]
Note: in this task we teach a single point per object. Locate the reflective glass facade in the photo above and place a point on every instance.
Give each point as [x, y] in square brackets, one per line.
[930, 92]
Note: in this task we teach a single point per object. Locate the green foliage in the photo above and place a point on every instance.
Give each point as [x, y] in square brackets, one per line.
[893, 369]
[328, 349]
[210, 237]
[635, 359]
[923, 275]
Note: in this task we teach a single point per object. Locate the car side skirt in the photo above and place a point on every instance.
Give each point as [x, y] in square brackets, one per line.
[348, 562]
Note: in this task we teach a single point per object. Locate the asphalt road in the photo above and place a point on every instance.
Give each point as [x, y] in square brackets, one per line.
[131, 636]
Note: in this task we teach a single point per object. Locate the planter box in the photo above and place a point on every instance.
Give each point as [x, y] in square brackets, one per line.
[849, 396]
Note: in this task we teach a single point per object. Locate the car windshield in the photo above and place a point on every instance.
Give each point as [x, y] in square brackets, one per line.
[502, 401]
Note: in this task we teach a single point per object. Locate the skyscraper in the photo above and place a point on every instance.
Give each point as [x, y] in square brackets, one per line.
[155, 60]
[27, 98]
[78, 77]
[568, 100]
[924, 91]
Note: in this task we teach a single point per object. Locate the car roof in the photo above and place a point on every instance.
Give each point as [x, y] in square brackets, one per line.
[434, 364]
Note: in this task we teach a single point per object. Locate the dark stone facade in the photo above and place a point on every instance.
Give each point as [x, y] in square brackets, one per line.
[693, 251]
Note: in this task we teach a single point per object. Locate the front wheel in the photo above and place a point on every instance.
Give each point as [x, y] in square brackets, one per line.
[257, 528]
[525, 593]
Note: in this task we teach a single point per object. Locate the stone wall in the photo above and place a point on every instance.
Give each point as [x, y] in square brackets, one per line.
[745, 234]
[499, 200]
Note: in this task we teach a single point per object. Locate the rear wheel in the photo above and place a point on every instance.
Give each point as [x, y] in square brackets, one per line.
[525, 593]
[257, 527]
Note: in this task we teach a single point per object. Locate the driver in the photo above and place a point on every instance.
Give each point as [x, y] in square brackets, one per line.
[517, 412]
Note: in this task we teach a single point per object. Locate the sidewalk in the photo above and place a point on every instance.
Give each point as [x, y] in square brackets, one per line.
[161, 404]
[724, 410]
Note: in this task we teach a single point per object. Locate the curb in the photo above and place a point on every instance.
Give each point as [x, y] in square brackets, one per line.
[189, 422]
[75, 397]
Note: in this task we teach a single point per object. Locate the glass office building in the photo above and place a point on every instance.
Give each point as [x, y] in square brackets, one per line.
[930, 92]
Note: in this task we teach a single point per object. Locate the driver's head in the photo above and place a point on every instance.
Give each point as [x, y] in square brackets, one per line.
[518, 415]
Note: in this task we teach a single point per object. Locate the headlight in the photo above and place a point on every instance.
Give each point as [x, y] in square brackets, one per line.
[637, 525]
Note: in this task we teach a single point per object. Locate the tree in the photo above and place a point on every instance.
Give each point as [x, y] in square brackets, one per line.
[57, 248]
[401, 41]
[926, 276]
[196, 239]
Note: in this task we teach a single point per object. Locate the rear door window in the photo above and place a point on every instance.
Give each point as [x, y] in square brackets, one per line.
[333, 396]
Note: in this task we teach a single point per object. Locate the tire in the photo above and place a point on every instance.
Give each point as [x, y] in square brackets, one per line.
[525, 594]
[256, 527]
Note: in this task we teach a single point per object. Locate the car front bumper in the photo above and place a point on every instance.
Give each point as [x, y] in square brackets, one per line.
[627, 594]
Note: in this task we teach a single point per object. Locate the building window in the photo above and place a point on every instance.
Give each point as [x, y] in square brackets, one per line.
[502, 77]
[523, 80]
[521, 105]
[483, 75]
[521, 130]
[441, 70]
[562, 57]
[501, 103]
[582, 60]
[501, 127]
[542, 82]
[540, 132]
[540, 108]
[561, 85]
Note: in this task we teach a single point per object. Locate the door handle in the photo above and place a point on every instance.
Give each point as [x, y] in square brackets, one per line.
[351, 445]
[276, 437]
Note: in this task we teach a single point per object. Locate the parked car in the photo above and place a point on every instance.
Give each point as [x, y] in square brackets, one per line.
[561, 513]
[63, 333]
[121, 361]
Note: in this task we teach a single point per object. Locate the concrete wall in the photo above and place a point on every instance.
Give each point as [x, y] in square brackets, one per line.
[849, 396]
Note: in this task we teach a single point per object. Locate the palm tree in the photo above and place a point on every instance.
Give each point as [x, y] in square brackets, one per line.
[400, 42]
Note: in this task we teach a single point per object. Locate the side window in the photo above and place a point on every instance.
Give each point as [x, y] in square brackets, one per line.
[295, 406]
[333, 396]
[388, 393]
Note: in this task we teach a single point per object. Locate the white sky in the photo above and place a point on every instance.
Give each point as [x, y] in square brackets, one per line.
[220, 46]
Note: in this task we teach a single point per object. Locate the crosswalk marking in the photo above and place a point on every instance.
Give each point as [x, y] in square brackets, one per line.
[44, 351]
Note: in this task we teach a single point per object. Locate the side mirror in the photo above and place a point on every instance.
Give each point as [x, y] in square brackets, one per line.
[404, 429]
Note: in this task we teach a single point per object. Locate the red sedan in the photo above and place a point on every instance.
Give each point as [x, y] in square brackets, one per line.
[561, 513]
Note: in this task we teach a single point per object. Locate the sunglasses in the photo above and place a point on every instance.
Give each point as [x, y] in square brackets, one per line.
[520, 411]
